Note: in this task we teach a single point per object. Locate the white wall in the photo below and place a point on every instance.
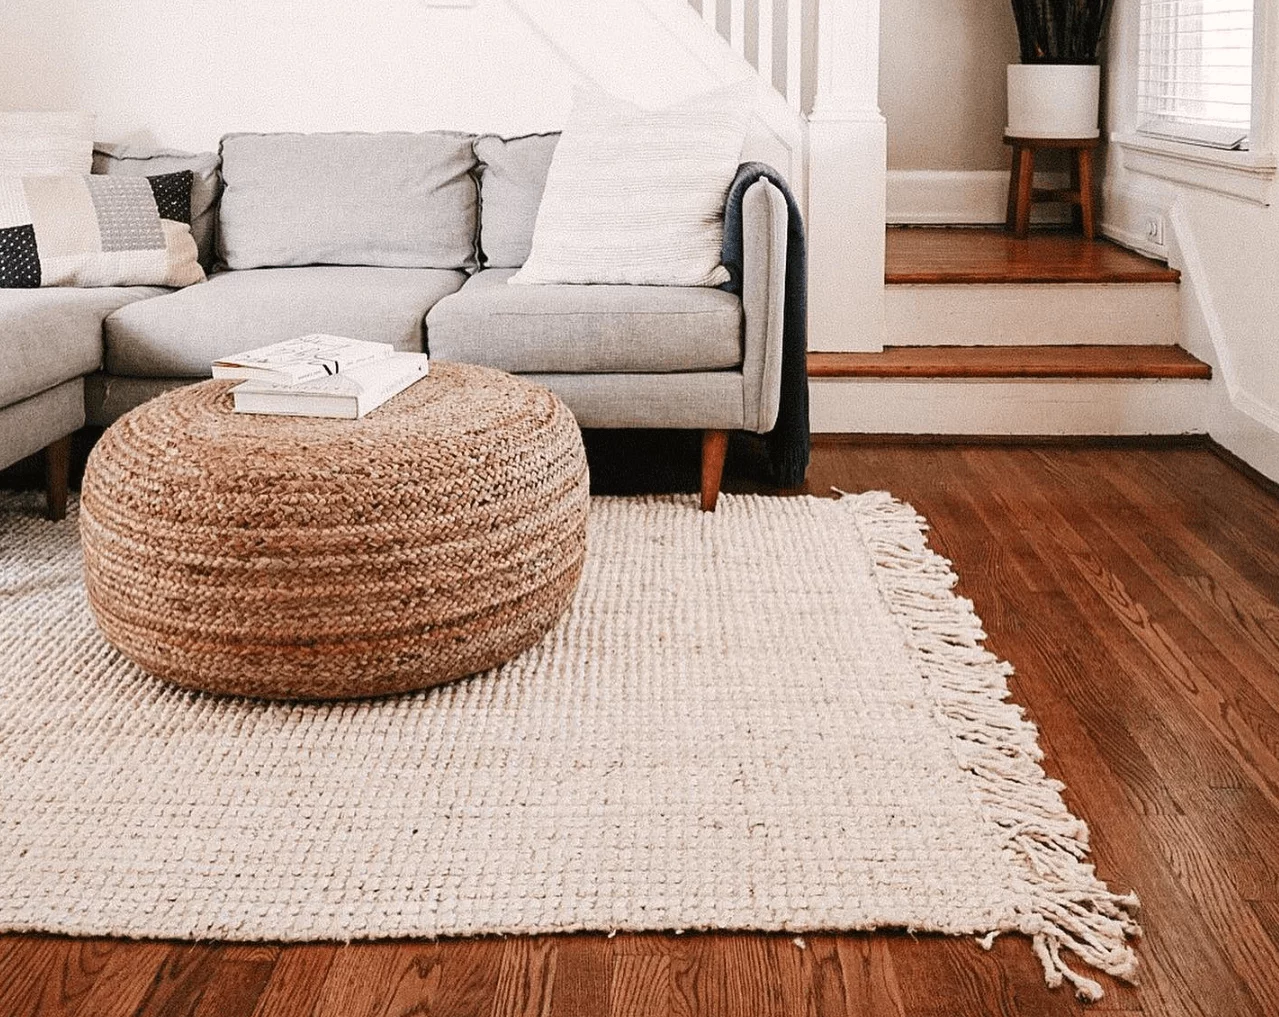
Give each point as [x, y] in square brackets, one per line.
[943, 91]
[942, 82]
[184, 73]
[1228, 251]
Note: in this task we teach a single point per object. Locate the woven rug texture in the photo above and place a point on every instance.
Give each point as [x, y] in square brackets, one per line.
[777, 717]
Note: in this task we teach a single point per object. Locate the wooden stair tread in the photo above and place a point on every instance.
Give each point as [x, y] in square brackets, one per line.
[1011, 362]
[924, 255]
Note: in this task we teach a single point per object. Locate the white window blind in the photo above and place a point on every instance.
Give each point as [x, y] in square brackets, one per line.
[1195, 78]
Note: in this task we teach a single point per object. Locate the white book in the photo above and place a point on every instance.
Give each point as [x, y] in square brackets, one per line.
[303, 359]
[349, 394]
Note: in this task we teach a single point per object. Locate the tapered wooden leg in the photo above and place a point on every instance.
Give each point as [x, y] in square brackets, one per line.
[1025, 191]
[1085, 191]
[57, 473]
[1013, 183]
[714, 449]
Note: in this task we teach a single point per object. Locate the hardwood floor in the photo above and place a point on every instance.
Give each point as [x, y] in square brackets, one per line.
[942, 255]
[1137, 592]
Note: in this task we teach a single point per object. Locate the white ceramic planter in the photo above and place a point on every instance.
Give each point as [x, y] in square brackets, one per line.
[1053, 100]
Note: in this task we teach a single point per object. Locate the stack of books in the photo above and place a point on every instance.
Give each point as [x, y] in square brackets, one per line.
[320, 376]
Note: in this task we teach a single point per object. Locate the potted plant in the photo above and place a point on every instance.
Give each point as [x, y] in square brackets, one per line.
[1055, 91]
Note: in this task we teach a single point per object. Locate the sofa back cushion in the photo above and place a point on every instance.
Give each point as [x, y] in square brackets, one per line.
[396, 200]
[206, 184]
[512, 178]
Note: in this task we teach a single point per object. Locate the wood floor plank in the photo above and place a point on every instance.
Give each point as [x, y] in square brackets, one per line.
[238, 983]
[359, 981]
[639, 986]
[124, 980]
[526, 978]
[180, 981]
[296, 981]
[583, 976]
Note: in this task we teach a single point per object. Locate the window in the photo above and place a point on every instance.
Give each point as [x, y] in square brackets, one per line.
[1196, 71]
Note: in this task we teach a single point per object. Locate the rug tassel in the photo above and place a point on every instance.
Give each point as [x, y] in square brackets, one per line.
[1072, 909]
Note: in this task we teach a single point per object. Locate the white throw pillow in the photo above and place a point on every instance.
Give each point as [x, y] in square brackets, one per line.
[637, 197]
[45, 143]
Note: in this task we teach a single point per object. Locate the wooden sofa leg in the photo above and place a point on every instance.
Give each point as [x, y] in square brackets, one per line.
[57, 474]
[714, 449]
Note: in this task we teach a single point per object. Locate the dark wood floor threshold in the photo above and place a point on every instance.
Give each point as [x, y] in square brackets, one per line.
[938, 255]
[1011, 362]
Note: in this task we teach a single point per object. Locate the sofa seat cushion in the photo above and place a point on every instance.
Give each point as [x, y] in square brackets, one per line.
[181, 334]
[586, 329]
[48, 336]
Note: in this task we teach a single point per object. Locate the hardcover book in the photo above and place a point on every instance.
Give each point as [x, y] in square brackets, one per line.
[349, 394]
[297, 360]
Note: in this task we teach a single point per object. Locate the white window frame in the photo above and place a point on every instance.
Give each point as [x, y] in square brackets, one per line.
[1243, 174]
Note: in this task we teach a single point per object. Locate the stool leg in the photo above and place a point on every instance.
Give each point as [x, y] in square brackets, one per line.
[1010, 221]
[1025, 185]
[1085, 192]
[1077, 207]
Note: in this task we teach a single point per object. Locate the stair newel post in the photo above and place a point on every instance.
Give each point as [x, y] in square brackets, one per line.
[847, 182]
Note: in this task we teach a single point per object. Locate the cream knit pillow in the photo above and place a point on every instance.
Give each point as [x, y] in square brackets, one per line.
[637, 197]
[45, 143]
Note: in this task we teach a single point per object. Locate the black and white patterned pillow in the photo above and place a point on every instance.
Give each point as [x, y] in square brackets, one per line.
[85, 230]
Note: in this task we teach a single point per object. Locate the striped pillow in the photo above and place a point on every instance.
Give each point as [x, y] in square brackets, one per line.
[637, 197]
[73, 229]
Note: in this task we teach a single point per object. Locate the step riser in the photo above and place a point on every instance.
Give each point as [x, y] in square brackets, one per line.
[1031, 407]
[1048, 314]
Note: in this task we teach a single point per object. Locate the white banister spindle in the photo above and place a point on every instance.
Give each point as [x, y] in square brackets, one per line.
[795, 54]
[737, 27]
[765, 41]
[710, 13]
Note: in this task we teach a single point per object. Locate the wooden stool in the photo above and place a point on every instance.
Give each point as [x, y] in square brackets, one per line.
[1022, 191]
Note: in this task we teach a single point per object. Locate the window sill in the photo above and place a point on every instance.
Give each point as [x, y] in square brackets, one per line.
[1246, 175]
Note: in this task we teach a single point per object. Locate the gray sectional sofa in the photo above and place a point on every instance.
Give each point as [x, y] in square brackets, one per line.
[400, 238]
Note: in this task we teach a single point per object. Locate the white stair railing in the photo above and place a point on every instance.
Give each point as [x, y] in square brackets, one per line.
[776, 44]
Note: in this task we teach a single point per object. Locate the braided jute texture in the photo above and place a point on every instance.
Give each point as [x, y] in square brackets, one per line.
[776, 716]
[305, 558]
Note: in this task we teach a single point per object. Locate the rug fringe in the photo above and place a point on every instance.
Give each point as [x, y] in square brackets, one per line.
[1071, 908]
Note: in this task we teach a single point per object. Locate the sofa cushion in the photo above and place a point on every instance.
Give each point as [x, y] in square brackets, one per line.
[49, 336]
[206, 184]
[45, 142]
[637, 197]
[394, 199]
[512, 178]
[181, 334]
[586, 329]
[79, 229]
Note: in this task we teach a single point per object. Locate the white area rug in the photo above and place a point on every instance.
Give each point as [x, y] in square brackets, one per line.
[774, 717]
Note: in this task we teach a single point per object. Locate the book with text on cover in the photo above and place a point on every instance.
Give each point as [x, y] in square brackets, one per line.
[349, 394]
[303, 359]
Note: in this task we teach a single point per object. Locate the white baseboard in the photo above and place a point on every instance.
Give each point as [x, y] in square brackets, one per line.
[960, 197]
[1029, 407]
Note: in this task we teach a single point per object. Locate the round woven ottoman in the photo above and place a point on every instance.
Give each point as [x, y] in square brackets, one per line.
[305, 558]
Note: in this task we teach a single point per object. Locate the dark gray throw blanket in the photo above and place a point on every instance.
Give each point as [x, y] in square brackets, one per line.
[787, 442]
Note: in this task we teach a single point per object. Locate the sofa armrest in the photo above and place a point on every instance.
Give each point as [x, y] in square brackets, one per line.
[764, 226]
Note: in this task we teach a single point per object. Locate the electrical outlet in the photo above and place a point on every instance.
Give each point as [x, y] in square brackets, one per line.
[1155, 230]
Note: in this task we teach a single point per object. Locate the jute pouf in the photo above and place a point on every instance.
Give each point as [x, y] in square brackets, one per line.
[305, 558]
